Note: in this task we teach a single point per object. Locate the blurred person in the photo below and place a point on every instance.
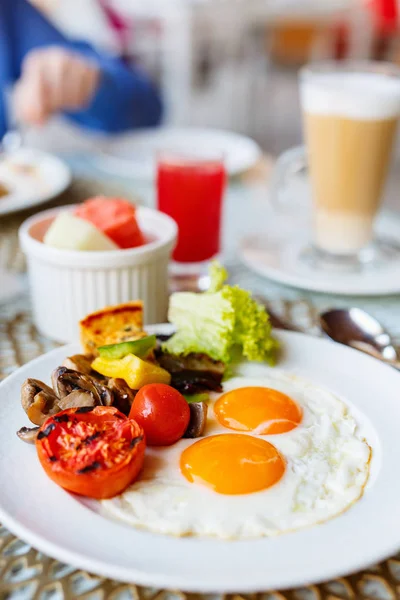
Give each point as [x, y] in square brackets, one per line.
[55, 75]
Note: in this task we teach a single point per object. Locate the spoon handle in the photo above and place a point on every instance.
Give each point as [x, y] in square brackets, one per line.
[373, 352]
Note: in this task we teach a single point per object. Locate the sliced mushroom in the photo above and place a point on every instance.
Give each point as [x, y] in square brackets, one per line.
[30, 388]
[123, 395]
[66, 381]
[28, 434]
[77, 399]
[105, 394]
[79, 362]
[38, 400]
[198, 420]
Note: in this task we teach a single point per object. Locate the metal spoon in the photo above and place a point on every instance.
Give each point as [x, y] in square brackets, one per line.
[355, 327]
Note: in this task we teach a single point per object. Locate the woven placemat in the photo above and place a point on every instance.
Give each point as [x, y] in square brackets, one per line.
[26, 574]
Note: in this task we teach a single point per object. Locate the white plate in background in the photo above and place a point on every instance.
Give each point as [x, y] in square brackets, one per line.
[32, 177]
[276, 254]
[71, 530]
[134, 154]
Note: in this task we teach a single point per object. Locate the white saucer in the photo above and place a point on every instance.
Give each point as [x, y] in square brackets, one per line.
[276, 254]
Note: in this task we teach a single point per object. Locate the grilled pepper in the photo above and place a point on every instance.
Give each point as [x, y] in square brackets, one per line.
[202, 397]
[140, 347]
[132, 369]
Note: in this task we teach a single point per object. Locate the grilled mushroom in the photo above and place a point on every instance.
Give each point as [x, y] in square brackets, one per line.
[38, 400]
[79, 362]
[105, 394]
[123, 395]
[198, 420]
[66, 381]
[77, 399]
[28, 434]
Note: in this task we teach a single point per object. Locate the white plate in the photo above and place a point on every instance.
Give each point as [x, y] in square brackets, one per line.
[67, 528]
[51, 177]
[276, 252]
[134, 155]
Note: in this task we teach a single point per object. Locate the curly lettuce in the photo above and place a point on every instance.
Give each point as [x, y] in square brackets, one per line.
[225, 323]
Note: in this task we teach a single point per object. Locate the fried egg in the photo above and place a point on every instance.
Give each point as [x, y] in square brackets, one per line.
[279, 454]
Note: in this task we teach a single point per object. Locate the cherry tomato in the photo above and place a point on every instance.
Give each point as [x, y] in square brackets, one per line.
[163, 413]
[95, 452]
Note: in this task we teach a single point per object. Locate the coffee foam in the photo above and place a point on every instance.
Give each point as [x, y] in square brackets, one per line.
[363, 96]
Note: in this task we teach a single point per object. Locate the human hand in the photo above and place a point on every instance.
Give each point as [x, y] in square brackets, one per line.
[54, 79]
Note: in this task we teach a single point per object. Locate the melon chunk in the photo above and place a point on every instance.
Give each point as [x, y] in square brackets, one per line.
[69, 232]
[115, 217]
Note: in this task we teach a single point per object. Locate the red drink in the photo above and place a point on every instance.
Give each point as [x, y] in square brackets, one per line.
[190, 190]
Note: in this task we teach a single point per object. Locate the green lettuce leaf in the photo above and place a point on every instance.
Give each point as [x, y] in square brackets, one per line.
[223, 322]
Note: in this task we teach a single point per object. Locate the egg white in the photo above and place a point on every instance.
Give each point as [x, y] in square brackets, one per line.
[327, 467]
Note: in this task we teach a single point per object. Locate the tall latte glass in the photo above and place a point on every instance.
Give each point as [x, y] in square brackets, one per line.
[350, 116]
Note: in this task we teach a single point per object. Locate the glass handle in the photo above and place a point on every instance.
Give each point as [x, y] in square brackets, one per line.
[290, 163]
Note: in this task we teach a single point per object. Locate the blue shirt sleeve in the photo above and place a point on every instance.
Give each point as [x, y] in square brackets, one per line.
[125, 98]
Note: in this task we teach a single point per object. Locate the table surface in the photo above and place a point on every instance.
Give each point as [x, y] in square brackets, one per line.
[28, 574]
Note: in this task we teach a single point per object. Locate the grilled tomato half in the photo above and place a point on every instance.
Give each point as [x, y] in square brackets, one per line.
[95, 452]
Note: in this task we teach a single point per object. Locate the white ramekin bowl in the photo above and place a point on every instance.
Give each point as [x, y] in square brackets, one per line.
[66, 285]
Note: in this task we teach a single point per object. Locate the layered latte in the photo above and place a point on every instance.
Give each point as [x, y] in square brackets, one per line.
[350, 121]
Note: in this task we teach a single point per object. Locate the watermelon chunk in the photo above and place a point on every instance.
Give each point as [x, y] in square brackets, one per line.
[115, 217]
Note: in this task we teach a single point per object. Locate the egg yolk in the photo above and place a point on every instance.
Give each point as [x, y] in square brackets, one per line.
[232, 463]
[261, 410]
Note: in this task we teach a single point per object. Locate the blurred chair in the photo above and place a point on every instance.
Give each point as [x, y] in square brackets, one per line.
[293, 43]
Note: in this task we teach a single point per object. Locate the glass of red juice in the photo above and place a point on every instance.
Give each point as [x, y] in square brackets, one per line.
[190, 189]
